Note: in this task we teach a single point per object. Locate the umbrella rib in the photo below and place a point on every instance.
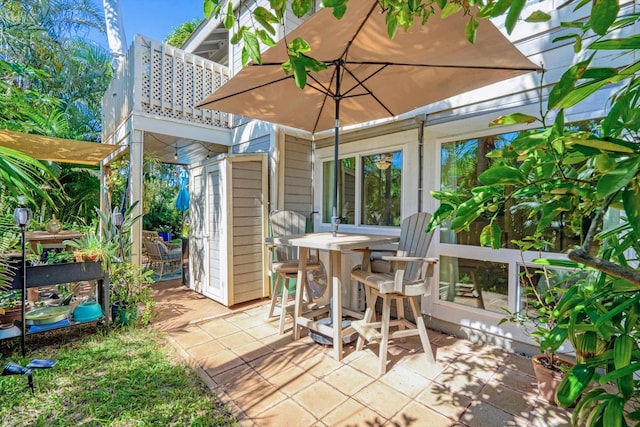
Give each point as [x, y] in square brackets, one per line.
[470, 67]
[361, 84]
[246, 90]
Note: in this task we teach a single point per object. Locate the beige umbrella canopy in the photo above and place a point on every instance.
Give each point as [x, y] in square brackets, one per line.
[56, 149]
[368, 76]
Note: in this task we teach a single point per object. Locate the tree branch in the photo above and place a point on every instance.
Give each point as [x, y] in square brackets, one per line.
[608, 267]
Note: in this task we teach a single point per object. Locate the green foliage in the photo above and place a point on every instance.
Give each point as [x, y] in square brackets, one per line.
[130, 288]
[182, 32]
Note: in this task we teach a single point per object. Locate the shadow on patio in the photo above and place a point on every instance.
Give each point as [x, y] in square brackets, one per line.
[268, 379]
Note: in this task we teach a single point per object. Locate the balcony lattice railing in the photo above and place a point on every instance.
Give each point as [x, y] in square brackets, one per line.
[163, 81]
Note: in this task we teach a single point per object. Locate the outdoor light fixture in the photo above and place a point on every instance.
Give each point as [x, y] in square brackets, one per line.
[208, 153]
[175, 156]
[22, 216]
[383, 163]
[12, 368]
[117, 218]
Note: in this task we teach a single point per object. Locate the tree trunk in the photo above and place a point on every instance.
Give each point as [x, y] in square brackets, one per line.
[115, 32]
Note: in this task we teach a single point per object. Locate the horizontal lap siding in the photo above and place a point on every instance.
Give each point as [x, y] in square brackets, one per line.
[298, 169]
[248, 245]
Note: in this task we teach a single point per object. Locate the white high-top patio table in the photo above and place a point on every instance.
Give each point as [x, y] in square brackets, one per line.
[335, 245]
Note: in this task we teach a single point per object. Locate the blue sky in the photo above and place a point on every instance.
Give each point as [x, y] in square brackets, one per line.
[154, 18]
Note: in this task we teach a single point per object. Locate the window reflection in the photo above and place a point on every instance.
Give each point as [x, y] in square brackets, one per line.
[461, 164]
[346, 190]
[480, 284]
[381, 189]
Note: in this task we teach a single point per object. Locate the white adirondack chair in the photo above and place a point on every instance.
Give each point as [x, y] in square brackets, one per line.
[408, 279]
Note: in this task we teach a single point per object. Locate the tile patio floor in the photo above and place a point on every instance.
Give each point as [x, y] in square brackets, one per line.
[270, 380]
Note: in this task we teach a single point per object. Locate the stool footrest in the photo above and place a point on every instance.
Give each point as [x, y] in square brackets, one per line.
[367, 330]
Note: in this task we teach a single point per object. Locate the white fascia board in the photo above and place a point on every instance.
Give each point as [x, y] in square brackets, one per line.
[204, 29]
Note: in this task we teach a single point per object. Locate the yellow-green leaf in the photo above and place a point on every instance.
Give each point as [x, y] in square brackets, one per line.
[501, 175]
[538, 16]
[514, 118]
[229, 17]
[471, 29]
[603, 14]
[514, 13]
[450, 9]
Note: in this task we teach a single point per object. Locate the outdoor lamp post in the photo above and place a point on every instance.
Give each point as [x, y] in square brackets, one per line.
[22, 216]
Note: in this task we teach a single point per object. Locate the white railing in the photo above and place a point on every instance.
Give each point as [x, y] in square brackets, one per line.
[164, 81]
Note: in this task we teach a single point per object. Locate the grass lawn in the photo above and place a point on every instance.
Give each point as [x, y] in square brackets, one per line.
[127, 378]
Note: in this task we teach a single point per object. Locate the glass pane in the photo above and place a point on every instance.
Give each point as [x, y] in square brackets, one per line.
[381, 189]
[481, 284]
[461, 164]
[346, 190]
[535, 283]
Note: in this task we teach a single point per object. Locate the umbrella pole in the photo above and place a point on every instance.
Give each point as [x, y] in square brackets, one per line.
[335, 221]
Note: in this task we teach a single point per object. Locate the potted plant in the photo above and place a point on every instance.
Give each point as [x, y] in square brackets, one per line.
[129, 292]
[89, 247]
[542, 290]
[165, 232]
[10, 307]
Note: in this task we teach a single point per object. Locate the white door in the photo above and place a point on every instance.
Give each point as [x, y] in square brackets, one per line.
[215, 283]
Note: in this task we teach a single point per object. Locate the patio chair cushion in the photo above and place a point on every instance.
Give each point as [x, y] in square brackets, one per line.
[167, 253]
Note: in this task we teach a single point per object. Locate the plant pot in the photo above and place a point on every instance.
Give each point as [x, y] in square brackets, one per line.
[166, 235]
[10, 314]
[548, 379]
[124, 315]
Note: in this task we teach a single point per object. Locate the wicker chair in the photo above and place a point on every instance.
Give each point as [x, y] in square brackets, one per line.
[160, 254]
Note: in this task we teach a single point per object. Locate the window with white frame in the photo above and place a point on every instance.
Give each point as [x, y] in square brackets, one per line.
[378, 177]
[482, 283]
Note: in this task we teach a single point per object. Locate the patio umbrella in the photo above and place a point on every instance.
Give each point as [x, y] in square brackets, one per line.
[368, 76]
[182, 201]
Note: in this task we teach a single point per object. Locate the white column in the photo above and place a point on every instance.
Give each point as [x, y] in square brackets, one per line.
[136, 151]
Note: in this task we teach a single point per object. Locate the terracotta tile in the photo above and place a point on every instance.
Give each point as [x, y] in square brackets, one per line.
[319, 398]
[252, 351]
[515, 380]
[190, 336]
[419, 415]
[352, 413]
[386, 401]
[245, 322]
[202, 351]
[262, 331]
[220, 362]
[511, 401]
[457, 382]
[292, 380]
[475, 366]
[218, 328]
[368, 363]
[318, 365]
[405, 381]
[348, 380]
[259, 399]
[239, 380]
[441, 400]
[545, 415]
[480, 414]
[271, 364]
[285, 413]
[419, 364]
[298, 352]
[236, 339]
[519, 363]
